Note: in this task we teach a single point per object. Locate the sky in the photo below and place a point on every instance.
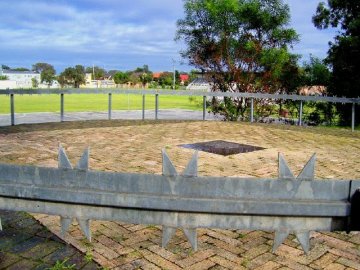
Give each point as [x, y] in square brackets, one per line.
[117, 34]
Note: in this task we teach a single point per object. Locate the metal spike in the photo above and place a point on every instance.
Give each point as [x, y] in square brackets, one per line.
[167, 233]
[0, 225]
[83, 163]
[63, 160]
[85, 227]
[191, 235]
[308, 172]
[304, 239]
[65, 224]
[280, 237]
[191, 169]
[168, 167]
[284, 170]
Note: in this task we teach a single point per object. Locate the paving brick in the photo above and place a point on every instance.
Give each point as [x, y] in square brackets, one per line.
[353, 264]
[291, 264]
[334, 266]
[159, 261]
[163, 253]
[104, 251]
[256, 251]
[206, 264]
[326, 259]
[270, 265]
[226, 263]
[23, 264]
[196, 257]
[347, 254]
[261, 260]
[7, 259]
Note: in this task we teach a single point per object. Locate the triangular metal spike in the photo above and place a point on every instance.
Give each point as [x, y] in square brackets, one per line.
[284, 170]
[0, 225]
[168, 167]
[191, 169]
[63, 160]
[83, 163]
[167, 234]
[304, 239]
[279, 238]
[85, 227]
[308, 172]
[65, 224]
[191, 235]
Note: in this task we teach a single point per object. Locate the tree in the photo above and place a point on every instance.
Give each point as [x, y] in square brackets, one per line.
[241, 45]
[97, 73]
[315, 72]
[3, 78]
[121, 77]
[145, 78]
[21, 69]
[5, 67]
[74, 76]
[34, 83]
[47, 72]
[344, 53]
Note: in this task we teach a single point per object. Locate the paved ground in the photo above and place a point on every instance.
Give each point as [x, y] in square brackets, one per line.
[135, 146]
[26, 244]
[30, 118]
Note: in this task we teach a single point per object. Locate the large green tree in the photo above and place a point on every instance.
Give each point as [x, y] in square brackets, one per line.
[121, 77]
[47, 72]
[97, 73]
[344, 53]
[240, 45]
[74, 76]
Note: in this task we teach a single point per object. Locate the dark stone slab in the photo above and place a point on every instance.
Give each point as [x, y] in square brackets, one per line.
[223, 148]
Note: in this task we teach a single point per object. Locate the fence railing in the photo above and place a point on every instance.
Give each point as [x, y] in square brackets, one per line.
[110, 92]
[184, 201]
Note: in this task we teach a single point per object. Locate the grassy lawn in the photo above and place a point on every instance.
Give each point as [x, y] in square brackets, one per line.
[94, 102]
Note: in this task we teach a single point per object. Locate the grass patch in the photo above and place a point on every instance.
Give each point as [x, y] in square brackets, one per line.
[94, 102]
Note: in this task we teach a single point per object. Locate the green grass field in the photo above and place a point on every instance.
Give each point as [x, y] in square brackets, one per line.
[95, 102]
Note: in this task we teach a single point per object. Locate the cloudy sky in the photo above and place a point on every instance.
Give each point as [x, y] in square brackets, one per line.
[115, 34]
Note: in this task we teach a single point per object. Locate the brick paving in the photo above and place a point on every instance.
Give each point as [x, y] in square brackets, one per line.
[127, 146]
[26, 244]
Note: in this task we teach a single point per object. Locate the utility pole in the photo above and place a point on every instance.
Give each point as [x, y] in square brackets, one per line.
[173, 60]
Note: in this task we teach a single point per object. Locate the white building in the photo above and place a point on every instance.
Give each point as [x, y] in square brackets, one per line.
[18, 79]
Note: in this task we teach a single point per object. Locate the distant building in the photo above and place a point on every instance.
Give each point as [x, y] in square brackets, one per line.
[199, 84]
[184, 78]
[104, 83]
[314, 90]
[156, 75]
[18, 79]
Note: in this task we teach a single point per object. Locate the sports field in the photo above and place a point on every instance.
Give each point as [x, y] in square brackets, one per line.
[95, 102]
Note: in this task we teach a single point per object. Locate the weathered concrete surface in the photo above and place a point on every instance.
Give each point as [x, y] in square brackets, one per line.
[48, 117]
[26, 244]
[135, 147]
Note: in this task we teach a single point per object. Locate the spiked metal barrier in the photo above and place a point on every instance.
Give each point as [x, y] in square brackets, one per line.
[184, 201]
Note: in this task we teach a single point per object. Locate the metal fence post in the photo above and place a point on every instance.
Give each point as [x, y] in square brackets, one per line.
[353, 118]
[12, 109]
[109, 106]
[301, 112]
[143, 107]
[156, 106]
[252, 111]
[61, 107]
[204, 108]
